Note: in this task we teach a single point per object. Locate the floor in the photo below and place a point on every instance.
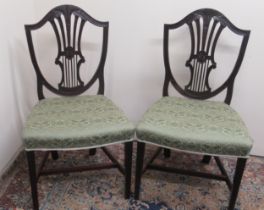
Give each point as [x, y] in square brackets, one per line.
[103, 190]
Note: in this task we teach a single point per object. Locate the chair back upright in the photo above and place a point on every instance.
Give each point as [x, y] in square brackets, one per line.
[67, 22]
[205, 27]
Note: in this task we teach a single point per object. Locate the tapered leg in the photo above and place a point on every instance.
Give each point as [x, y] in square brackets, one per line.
[206, 159]
[139, 166]
[240, 166]
[33, 179]
[167, 153]
[128, 167]
[54, 155]
[92, 151]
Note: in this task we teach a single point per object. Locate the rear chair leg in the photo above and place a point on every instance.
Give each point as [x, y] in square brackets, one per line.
[33, 178]
[139, 167]
[54, 155]
[240, 166]
[206, 159]
[167, 153]
[92, 152]
[128, 167]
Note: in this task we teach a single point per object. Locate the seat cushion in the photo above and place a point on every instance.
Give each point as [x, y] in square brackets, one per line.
[206, 127]
[75, 122]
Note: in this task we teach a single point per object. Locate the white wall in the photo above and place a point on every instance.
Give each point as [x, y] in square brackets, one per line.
[12, 64]
[134, 67]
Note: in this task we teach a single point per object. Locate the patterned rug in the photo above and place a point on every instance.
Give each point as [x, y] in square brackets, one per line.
[104, 189]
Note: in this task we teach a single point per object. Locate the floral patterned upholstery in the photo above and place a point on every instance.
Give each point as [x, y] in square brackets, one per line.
[197, 126]
[75, 122]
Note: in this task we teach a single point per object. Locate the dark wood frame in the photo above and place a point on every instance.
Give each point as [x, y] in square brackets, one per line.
[199, 91]
[68, 50]
[232, 186]
[35, 173]
[71, 85]
[206, 14]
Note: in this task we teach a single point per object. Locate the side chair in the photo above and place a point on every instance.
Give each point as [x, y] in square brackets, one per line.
[192, 124]
[73, 121]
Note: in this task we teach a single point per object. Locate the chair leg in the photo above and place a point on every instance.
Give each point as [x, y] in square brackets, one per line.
[128, 168]
[33, 178]
[54, 155]
[92, 152]
[206, 159]
[139, 167]
[240, 166]
[167, 153]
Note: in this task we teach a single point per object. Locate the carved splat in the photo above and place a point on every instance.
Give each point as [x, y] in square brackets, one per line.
[203, 42]
[68, 22]
[205, 27]
[70, 55]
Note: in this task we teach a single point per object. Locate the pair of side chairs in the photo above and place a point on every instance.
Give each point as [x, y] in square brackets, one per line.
[74, 122]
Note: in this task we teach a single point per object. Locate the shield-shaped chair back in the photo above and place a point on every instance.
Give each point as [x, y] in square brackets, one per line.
[68, 22]
[201, 60]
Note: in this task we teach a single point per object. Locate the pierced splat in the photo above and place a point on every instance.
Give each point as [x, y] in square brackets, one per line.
[68, 22]
[69, 56]
[205, 27]
[203, 43]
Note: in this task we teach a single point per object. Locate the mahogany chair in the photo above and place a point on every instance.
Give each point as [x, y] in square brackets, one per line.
[192, 124]
[71, 121]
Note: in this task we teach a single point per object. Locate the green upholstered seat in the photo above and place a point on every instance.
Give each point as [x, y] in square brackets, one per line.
[75, 122]
[196, 126]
